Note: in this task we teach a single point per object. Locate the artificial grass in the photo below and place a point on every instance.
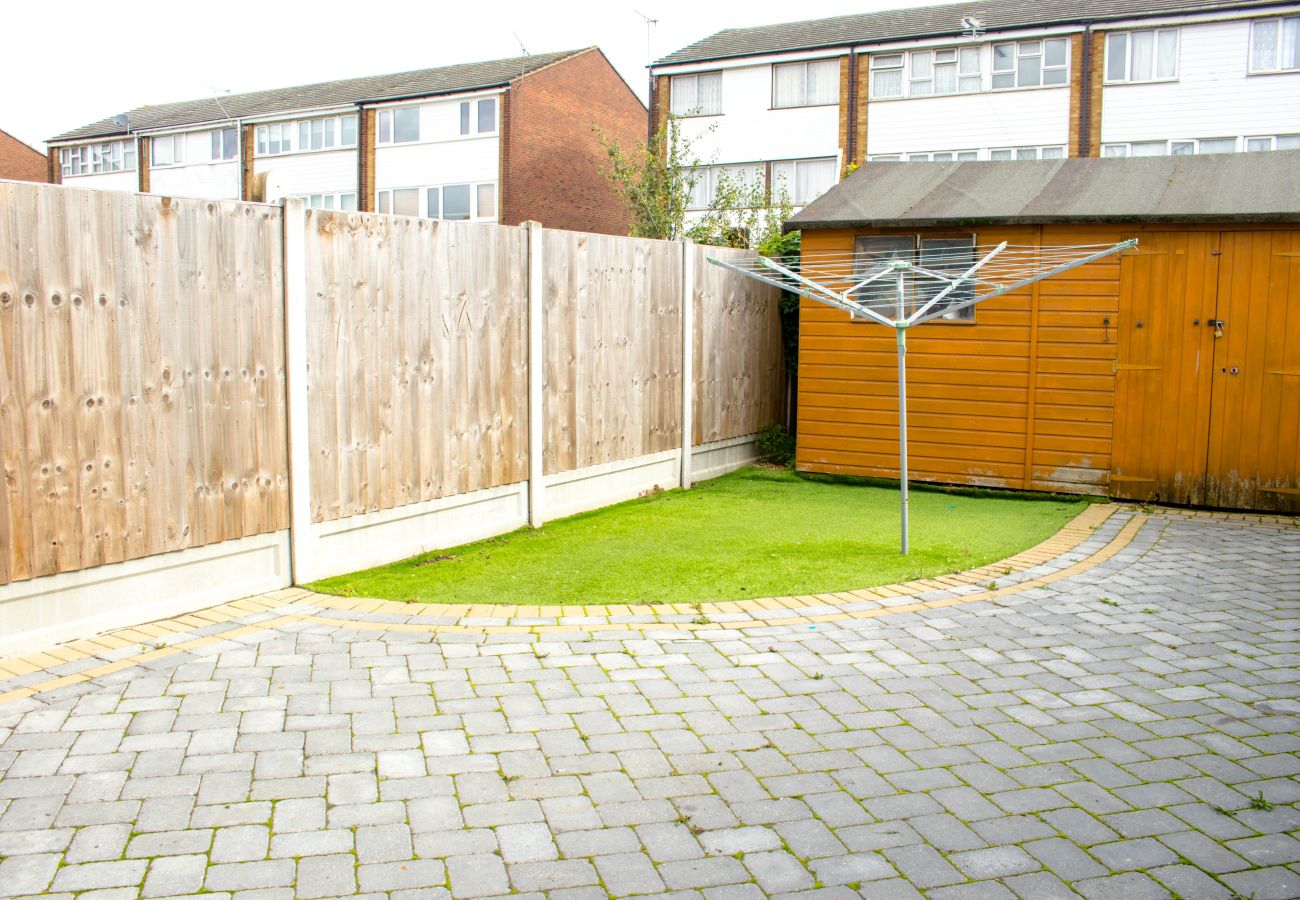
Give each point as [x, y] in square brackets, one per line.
[754, 533]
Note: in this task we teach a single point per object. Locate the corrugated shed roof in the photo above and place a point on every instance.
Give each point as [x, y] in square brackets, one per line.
[1229, 187]
[931, 21]
[443, 80]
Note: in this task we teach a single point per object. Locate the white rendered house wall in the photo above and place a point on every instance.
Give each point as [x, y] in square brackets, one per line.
[1212, 95]
[195, 174]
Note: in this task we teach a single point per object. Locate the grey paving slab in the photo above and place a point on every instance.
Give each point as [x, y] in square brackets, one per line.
[1131, 730]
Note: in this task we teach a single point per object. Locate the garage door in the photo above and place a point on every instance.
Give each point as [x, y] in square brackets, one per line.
[1207, 403]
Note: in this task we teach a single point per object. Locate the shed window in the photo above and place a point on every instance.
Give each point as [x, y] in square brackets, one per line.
[948, 255]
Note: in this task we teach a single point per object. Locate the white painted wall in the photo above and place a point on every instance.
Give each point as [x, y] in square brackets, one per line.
[1023, 118]
[312, 172]
[749, 130]
[1212, 97]
[108, 181]
[442, 155]
[198, 176]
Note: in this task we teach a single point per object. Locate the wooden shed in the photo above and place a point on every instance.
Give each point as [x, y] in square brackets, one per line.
[1170, 373]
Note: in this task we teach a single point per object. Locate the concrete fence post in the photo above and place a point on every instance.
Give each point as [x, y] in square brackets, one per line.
[688, 360]
[536, 361]
[294, 262]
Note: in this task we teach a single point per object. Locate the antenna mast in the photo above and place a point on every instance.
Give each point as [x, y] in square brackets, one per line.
[649, 24]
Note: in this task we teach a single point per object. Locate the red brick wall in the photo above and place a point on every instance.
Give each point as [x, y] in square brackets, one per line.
[20, 162]
[551, 160]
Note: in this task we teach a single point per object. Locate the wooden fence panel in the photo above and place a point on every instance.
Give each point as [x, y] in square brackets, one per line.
[418, 360]
[739, 374]
[612, 382]
[141, 376]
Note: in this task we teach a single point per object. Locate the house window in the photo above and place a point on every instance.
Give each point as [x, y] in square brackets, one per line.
[748, 176]
[225, 144]
[1187, 147]
[399, 126]
[1273, 142]
[116, 156]
[1142, 55]
[1004, 153]
[1030, 63]
[74, 161]
[345, 202]
[167, 151]
[399, 202]
[814, 83]
[804, 179]
[697, 95]
[275, 139]
[1275, 45]
[949, 255]
[949, 71]
[941, 156]
[887, 76]
[481, 113]
[327, 133]
[885, 157]
[485, 201]
[455, 202]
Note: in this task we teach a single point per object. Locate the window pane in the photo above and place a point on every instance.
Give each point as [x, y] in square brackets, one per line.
[813, 177]
[487, 115]
[349, 129]
[1004, 56]
[682, 93]
[945, 78]
[1054, 76]
[1029, 71]
[1004, 79]
[709, 93]
[1167, 54]
[1218, 145]
[318, 133]
[1027, 153]
[215, 138]
[434, 207]
[1053, 153]
[968, 155]
[261, 139]
[823, 82]
[1288, 142]
[949, 256]
[329, 132]
[1291, 43]
[921, 64]
[406, 124]
[1254, 145]
[871, 253]
[887, 83]
[406, 202]
[1263, 45]
[942, 157]
[1114, 150]
[783, 180]
[464, 118]
[1116, 57]
[1054, 52]
[922, 88]
[348, 202]
[1182, 148]
[162, 151]
[487, 201]
[1030, 48]
[887, 61]
[1144, 56]
[385, 127]
[385, 201]
[788, 85]
[999, 154]
[970, 61]
[455, 201]
[1148, 148]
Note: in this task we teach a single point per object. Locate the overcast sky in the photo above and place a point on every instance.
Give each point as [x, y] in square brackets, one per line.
[74, 62]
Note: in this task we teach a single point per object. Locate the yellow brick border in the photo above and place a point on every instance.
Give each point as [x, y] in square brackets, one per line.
[764, 612]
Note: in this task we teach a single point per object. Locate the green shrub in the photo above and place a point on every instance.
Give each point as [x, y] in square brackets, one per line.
[775, 446]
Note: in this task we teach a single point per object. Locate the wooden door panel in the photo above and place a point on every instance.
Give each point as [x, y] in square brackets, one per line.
[1253, 458]
[1162, 371]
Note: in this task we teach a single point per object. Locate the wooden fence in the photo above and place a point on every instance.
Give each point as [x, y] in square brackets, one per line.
[181, 373]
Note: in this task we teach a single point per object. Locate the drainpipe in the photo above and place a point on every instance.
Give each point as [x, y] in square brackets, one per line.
[1085, 97]
[850, 150]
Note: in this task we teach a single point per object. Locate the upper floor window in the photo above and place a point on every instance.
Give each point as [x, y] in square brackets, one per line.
[804, 179]
[478, 116]
[225, 144]
[1275, 45]
[98, 159]
[327, 133]
[1142, 55]
[168, 150]
[274, 139]
[814, 83]
[1052, 152]
[887, 75]
[1030, 63]
[697, 95]
[399, 126]
[943, 156]
[949, 71]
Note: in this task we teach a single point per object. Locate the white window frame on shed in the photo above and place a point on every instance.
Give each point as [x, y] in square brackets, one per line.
[1283, 55]
[813, 82]
[1033, 49]
[699, 94]
[166, 151]
[1153, 51]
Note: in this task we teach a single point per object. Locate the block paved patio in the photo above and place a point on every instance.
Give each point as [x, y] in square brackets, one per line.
[1112, 714]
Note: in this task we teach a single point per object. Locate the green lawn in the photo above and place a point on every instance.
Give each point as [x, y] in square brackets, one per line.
[753, 533]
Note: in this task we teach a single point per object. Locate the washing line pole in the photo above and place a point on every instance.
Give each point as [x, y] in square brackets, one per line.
[901, 331]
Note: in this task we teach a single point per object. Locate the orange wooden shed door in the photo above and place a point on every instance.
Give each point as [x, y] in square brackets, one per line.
[1207, 392]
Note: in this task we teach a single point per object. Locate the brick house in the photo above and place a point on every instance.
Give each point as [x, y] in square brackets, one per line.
[504, 141]
[20, 162]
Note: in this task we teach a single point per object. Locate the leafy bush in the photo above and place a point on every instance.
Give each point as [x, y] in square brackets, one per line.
[775, 445]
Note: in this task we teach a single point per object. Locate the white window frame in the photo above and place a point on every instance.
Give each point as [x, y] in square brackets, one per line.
[469, 112]
[1273, 141]
[1023, 50]
[219, 136]
[423, 208]
[940, 156]
[1023, 153]
[331, 129]
[706, 181]
[177, 142]
[923, 291]
[889, 63]
[945, 56]
[389, 113]
[339, 201]
[287, 134]
[1127, 77]
[793, 188]
[676, 90]
[1283, 24]
[74, 161]
[1125, 148]
[804, 64]
[105, 157]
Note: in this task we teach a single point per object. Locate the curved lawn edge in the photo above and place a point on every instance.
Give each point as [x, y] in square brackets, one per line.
[687, 552]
